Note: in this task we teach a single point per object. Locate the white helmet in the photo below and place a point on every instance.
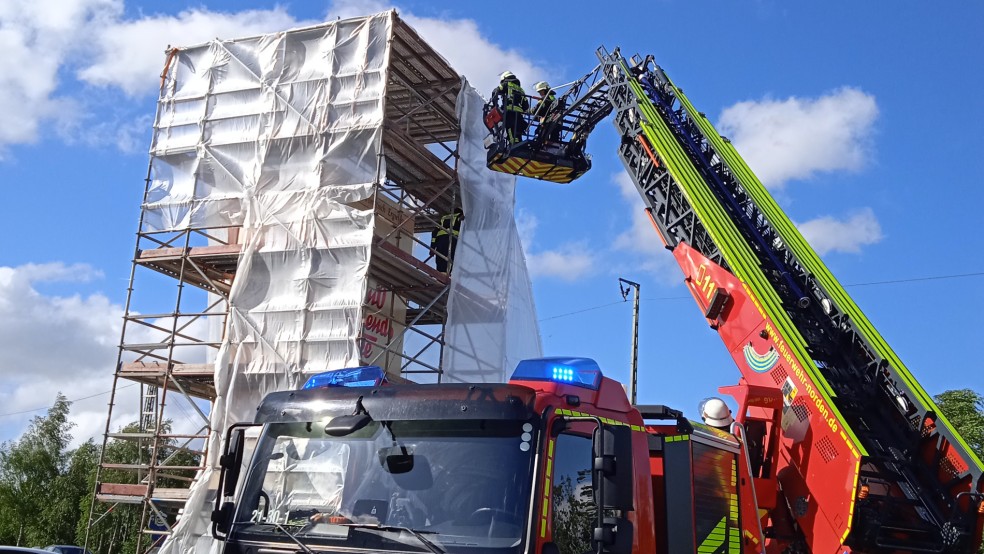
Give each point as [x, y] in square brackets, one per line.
[541, 86]
[506, 75]
[716, 413]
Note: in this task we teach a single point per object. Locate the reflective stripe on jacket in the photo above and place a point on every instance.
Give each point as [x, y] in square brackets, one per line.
[513, 97]
[450, 222]
[545, 105]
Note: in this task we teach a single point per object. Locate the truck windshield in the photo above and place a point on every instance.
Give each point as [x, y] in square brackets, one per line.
[461, 484]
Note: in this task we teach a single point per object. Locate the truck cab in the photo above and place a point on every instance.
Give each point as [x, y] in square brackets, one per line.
[556, 461]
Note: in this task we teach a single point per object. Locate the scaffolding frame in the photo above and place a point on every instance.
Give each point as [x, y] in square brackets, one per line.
[420, 131]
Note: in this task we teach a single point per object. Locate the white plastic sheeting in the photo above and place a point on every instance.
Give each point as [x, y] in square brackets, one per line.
[491, 318]
[278, 134]
[281, 135]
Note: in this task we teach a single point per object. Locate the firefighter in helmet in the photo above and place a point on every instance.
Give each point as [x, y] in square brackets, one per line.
[444, 239]
[548, 105]
[511, 99]
[716, 413]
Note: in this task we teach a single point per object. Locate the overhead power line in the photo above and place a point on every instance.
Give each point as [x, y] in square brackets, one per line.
[69, 400]
[915, 279]
[599, 307]
[867, 284]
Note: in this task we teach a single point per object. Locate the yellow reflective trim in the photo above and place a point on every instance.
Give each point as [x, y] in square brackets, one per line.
[543, 528]
[850, 514]
[549, 465]
[714, 539]
[550, 448]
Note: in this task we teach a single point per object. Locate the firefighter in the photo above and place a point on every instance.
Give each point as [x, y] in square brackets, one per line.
[549, 128]
[716, 413]
[514, 105]
[444, 239]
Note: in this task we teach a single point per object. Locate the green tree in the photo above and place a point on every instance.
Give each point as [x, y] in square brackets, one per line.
[37, 505]
[965, 410]
[574, 513]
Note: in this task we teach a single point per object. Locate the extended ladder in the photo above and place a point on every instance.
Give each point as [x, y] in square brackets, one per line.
[922, 483]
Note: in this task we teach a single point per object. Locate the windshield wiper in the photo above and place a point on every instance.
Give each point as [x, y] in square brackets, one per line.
[293, 538]
[419, 535]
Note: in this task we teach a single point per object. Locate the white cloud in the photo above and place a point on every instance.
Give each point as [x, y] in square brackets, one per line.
[43, 40]
[641, 239]
[828, 234]
[128, 135]
[68, 344]
[797, 138]
[51, 344]
[129, 54]
[93, 41]
[569, 262]
[37, 37]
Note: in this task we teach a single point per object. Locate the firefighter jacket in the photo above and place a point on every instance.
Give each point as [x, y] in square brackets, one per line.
[450, 223]
[545, 105]
[512, 96]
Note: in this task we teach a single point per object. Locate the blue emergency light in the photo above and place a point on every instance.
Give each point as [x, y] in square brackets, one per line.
[365, 376]
[580, 372]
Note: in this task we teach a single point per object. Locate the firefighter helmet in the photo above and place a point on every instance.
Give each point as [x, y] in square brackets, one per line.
[716, 413]
[542, 86]
[507, 76]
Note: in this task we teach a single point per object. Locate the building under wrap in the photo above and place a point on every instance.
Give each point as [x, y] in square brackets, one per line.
[294, 183]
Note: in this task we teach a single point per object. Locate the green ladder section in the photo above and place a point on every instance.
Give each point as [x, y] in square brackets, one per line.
[805, 254]
[734, 249]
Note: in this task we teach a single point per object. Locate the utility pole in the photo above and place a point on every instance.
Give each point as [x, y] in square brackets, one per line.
[635, 333]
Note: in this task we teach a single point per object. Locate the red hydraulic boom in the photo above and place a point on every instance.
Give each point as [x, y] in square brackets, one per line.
[846, 451]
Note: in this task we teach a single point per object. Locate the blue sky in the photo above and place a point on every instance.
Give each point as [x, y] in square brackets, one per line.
[862, 118]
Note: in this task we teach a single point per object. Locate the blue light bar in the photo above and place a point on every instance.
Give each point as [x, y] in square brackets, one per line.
[580, 372]
[366, 376]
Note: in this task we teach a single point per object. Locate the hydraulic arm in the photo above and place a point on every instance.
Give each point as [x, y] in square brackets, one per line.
[865, 460]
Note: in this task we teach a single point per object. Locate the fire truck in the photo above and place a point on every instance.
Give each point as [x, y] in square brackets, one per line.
[836, 448]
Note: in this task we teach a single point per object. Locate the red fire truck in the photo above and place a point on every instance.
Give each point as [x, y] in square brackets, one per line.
[836, 447]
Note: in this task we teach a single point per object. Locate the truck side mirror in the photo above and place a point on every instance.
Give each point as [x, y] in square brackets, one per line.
[613, 465]
[222, 520]
[230, 463]
[232, 460]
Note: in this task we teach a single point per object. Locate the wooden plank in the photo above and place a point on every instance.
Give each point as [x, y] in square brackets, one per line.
[119, 489]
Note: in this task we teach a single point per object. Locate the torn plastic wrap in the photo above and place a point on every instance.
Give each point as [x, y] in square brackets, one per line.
[278, 134]
[491, 317]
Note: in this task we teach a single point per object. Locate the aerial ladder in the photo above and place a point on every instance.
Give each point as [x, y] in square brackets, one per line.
[848, 453]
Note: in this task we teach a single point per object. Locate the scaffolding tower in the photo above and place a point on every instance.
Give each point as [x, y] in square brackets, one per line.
[170, 339]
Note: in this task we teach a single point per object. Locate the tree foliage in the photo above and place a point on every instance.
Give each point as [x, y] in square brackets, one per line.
[41, 481]
[965, 410]
[574, 513]
[46, 488]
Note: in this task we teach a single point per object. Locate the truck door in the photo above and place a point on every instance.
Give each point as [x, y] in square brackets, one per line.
[571, 508]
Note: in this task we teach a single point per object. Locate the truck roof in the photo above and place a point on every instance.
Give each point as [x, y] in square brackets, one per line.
[401, 402]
